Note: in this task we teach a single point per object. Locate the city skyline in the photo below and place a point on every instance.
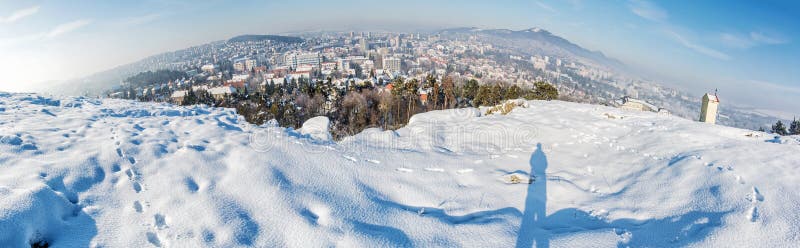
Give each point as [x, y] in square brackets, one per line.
[747, 50]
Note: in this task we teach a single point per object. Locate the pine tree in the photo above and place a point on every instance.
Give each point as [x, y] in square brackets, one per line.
[779, 128]
[483, 96]
[470, 90]
[794, 127]
[543, 91]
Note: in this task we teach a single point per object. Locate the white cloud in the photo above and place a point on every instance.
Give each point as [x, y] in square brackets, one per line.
[767, 39]
[20, 14]
[745, 41]
[546, 7]
[736, 41]
[56, 31]
[67, 27]
[648, 10]
[697, 47]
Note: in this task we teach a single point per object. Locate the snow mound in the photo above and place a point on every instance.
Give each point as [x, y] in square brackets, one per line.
[317, 128]
[79, 172]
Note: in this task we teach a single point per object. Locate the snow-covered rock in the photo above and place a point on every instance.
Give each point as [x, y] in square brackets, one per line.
[317, 128]
[115, 173]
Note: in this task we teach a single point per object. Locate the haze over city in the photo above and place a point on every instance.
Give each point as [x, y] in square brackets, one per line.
[748, 50]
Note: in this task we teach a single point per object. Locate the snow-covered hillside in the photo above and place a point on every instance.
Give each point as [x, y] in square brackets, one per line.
[78, 172]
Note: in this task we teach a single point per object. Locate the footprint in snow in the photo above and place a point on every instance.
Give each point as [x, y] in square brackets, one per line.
[752, 214]
[160, 221]
[129, 173]
[137, 187]
[757, 196]
[137, 206]
[153, 239]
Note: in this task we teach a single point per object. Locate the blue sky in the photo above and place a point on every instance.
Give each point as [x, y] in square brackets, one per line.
[747, 49]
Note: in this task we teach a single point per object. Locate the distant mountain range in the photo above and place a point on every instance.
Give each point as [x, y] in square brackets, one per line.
[542, 42]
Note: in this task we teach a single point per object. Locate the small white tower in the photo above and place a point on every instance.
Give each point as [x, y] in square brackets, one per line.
[708, 113]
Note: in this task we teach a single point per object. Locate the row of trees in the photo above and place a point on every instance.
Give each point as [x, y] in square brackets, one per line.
[356, 107]
[780, 128]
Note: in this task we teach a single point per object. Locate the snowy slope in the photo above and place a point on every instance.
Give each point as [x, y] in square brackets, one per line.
[79, 172]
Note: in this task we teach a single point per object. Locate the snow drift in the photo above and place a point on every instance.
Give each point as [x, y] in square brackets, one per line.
[78, 172]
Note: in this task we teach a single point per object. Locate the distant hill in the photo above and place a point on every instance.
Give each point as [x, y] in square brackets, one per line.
[540, 41]
[257, 37]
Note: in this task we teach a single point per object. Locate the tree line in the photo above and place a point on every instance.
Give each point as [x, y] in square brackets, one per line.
[780, 129]
[358, 106]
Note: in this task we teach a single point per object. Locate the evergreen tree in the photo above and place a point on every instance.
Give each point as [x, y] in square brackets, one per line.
[543, 91]
[794, 127]
[779, 128]
[483, 96]
[470, 90]
[513, 92]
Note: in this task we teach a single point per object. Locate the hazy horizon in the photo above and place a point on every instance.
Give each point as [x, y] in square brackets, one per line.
[746, 50]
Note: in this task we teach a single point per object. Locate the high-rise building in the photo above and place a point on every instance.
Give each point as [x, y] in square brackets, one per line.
[391, 64]
[397, 41]
[364, 45]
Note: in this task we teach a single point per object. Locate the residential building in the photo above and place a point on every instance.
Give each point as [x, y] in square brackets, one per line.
[391, 65]
[294, 59]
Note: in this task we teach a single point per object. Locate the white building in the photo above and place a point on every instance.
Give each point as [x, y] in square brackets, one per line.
[244, 64]
[221, 92]
[178, 96]
[391, 65]
[294, 59]
[328, 67]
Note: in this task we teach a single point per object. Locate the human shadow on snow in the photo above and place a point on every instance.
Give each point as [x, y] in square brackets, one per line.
[537, 228]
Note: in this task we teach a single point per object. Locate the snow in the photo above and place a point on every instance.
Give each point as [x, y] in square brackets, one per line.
[80, 172]
[317, 128]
